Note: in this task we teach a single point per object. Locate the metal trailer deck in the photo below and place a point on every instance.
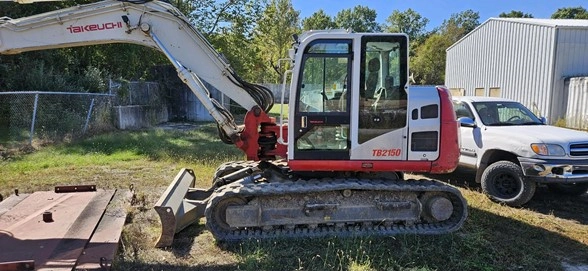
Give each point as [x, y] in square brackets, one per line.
[74, 227]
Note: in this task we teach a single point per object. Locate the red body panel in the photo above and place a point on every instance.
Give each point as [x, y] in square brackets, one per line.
[449, 137]
[366, 166]
[259, 125]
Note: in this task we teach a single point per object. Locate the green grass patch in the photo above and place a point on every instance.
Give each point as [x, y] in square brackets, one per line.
[114, 158]
[275, 111]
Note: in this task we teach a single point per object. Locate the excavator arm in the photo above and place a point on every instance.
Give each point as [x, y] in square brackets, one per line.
[161, 26]
[153, 24]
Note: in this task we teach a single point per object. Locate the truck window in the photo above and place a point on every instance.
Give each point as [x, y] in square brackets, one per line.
[462, 110]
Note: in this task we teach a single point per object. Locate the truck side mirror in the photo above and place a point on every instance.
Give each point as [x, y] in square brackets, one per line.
[543, 120]
[467, 122]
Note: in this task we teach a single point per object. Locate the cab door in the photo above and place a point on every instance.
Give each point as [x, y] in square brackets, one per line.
[322, 117]
[382, 130]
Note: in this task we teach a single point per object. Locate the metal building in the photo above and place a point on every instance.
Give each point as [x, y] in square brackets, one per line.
[527, 60]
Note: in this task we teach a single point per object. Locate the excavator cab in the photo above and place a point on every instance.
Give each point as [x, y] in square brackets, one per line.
[349, 90]
[351, 102]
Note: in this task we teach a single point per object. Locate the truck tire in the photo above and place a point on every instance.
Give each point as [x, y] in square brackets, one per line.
[504, 182]
[572, 189]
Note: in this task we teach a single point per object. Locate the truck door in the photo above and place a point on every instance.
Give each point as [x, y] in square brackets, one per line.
[470, 137]
[321, 118]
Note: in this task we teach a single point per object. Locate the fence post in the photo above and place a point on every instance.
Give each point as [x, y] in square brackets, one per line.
[89, 115]
[34, 117]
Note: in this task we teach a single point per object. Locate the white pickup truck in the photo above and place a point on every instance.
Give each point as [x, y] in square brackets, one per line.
[512, 150]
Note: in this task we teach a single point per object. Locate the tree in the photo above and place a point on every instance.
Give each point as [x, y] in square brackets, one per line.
[317, 21]
[409, 22]
[360, 19]
[229, 27]
[82, 69]
[227, 24]
[428, 66]
[459, 25]
[515, 14]
[211, 16]
[273, 37]
[570, 13]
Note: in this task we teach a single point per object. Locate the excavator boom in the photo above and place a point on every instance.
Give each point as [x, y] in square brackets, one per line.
[153, 24]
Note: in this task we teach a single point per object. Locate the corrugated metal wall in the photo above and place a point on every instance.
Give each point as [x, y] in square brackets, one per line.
[571, 61]
[515, 57]
[188, 107]
[577, 102]
[195, 110]
[528, 62]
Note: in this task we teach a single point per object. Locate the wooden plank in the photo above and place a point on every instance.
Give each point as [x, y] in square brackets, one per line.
[55, 245]
[101, 249]
[10, 202]
[70, 247]
[23, 230]
[31, 207]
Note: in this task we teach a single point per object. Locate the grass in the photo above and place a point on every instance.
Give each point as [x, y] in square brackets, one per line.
[275, 111]
[541, 236]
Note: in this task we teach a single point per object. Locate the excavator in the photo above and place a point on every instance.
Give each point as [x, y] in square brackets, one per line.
[335, 167]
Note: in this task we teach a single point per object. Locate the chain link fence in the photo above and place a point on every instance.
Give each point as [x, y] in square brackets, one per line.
[25, 116]
[54, 116]
[136, 93]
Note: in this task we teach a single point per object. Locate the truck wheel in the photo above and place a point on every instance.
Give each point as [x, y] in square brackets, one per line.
[504, 182]
[572, 189]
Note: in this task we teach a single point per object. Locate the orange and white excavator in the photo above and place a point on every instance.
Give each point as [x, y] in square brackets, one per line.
[355, 126]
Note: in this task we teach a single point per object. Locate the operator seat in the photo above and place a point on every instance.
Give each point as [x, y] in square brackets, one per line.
[371, 81]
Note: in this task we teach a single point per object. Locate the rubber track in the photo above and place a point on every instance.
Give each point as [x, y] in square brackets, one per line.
[323, 185]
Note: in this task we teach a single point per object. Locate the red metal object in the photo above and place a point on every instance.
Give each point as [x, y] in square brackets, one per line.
[10, 202]
[75, 188]
[258, 124]
[17, 266]
[367, 165]
[55, 245]
[449, 144]
[102, 247]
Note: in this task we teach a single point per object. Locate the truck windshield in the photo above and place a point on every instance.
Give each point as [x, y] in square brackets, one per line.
[505, 114]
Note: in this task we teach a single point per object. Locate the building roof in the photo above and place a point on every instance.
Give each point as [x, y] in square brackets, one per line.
[573, 23]
[555, 23]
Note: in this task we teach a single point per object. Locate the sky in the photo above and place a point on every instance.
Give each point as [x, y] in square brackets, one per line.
[438, 10]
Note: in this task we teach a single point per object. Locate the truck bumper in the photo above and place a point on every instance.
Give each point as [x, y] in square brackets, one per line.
[555, 171]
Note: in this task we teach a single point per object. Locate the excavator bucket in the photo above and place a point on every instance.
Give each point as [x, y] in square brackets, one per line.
[180, 206]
